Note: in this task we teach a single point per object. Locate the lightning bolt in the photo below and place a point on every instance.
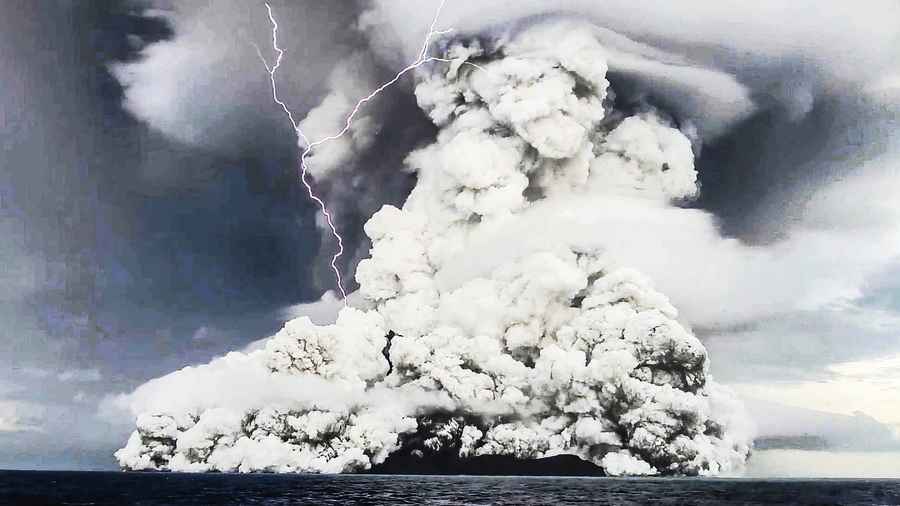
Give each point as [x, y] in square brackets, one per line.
[422, 59]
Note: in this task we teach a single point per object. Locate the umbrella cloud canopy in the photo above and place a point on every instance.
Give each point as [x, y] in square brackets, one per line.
[559, 347]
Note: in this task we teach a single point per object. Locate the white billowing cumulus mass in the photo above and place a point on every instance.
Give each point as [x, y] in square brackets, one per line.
[560, 348]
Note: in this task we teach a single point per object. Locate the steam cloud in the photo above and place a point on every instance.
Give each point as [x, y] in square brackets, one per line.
[555, 346]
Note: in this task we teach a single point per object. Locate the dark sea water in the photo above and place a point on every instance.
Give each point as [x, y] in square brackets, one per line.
[84, 488]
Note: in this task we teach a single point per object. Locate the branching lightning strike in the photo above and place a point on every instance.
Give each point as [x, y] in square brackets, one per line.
[422, 59]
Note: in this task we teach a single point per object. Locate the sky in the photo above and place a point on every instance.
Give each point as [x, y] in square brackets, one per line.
[152, 217]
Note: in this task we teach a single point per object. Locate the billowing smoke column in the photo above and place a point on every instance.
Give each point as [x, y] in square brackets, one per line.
[561, 350]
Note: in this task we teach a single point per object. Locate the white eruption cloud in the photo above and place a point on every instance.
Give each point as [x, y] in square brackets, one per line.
[557, 345]
[522, 301]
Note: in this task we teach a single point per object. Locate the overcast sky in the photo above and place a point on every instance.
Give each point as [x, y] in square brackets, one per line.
[152, 218]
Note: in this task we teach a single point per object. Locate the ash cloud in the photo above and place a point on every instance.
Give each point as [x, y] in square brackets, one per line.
[561, 349]
[606, 153]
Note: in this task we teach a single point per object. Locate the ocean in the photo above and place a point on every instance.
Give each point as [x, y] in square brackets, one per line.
[151, 489]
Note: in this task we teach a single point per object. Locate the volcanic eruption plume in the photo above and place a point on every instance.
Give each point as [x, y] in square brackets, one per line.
[492, 316]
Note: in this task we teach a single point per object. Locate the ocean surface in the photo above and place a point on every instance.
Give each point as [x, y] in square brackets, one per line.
[115, 488]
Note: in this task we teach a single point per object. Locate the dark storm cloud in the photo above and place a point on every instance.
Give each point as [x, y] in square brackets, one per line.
[111, 208]
[758, 176]
[228, 102]
[119, 242]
